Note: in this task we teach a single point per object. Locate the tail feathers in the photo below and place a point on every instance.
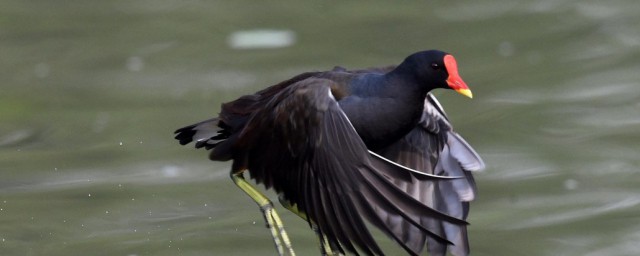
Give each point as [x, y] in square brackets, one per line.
[206, 134]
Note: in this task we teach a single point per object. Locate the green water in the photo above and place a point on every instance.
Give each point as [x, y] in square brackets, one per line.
[91, 91]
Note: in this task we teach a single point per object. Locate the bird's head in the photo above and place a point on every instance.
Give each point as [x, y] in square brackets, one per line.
[437, 69]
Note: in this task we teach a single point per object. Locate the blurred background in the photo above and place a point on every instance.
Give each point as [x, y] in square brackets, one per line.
[91, 92]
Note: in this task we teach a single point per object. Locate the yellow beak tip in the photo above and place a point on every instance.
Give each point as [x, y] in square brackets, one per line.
[466, 92]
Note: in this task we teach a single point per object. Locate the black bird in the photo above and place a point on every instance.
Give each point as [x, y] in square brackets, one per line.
[343, 148]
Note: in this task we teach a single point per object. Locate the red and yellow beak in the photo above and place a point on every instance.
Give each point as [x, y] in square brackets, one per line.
[455, 81]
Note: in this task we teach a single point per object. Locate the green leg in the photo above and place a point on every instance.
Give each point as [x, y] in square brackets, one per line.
[325, 248]
[271, 217]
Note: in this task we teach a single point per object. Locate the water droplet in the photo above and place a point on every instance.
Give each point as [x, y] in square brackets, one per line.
[42, 70]
[506, 49]
[121, 143]
[571, 184]
[170, 171]
[101, 121]
[135, 63]
[89, 195]
[261, 39]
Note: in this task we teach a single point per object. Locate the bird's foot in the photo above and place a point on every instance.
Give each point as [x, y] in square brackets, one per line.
[271, 217]
[325, 247]
[275, 225]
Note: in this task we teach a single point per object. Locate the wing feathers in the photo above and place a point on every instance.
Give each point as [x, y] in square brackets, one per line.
[303, 145]
[433, 147]
[464, 154]
[403, 203]
[416, 172]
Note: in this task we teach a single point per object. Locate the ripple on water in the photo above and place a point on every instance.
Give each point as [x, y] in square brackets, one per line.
[596, 88]
[598, 203]
[150, 173]
[17, 137]
[488, 10]
[627, 245]
[598, 102]
[480, 10]
[518, 96]
[597, 10]
[507, 165]
[261, 39]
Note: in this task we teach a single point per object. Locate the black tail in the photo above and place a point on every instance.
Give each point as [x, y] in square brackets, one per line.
[207, 134]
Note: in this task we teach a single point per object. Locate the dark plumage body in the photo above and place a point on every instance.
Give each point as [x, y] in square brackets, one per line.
[380, 126]
[312, 138]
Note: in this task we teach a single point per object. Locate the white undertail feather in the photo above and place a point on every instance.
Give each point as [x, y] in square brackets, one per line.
[205, 131]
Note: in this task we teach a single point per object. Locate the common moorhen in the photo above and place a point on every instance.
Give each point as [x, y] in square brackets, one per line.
[347, 147]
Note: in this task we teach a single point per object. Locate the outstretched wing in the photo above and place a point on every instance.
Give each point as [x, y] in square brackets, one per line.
[302, 144]
[435, 148]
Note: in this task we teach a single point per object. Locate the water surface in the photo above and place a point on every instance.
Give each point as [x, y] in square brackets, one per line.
[92, 91]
